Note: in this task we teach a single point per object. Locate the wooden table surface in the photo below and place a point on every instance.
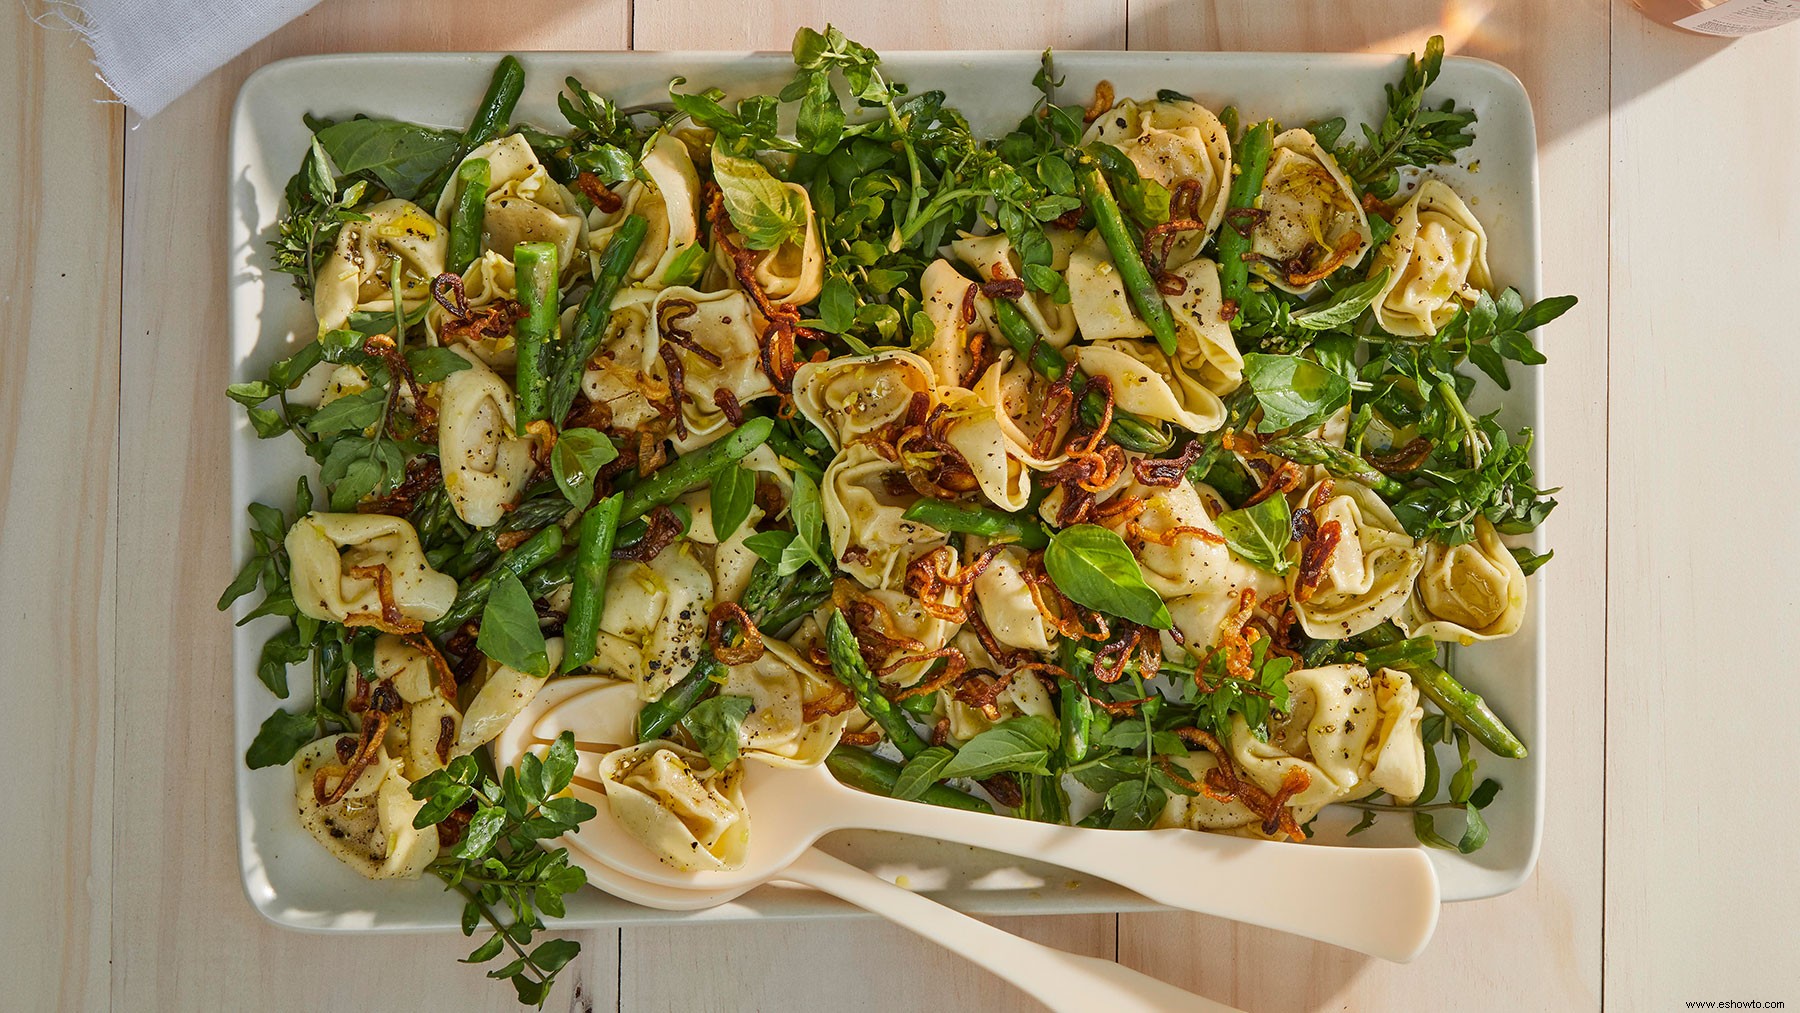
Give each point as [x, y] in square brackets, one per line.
[1668, 870]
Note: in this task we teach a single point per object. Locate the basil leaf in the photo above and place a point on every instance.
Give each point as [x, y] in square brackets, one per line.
[733, 492]
[509, 627]
[279, 738]
[922, 771]
[716, 724]
[688, 266]
[1342, 308]
[1292, 390]
[1134, 805]
[1530, 561]
[837, 305]
[1259, 534]
[762, 208]
[1103, 774]
[769, 545]
[808, 514]
[1022, 744]
[1094, 567]
[403, 156]
[430, 365]
[576, 460]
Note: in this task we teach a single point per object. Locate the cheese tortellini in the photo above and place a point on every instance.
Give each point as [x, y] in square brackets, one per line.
[1469, 592]
[1353, 732]
[669, 201]
[853, 396]
[355, 276]
[720, 326]
[1312, 222]
[667, 796]
[871, 539]
[504, 692]
[1436, 262]
[780, 685]
[486, 464]
[1173, 142]
[654, 622]
[1370, 571]
[524, 205]
[334, 559]
[370, 828]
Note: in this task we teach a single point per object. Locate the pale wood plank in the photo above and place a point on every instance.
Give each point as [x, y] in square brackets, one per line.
[184, 937]
[62, 156]
[1538, 948]
[1701, 887]
[891, 969]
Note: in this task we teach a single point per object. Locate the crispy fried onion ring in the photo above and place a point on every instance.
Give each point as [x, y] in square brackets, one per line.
[446, 681]
[421, 474]
[1129, 642]
[1060, 612]
[1101, 102]
[741, 648]
[1159, 242]
[877, 634]
[783, 322]
[927, 580]
[356, 754]
[1317, 542]
[664, 528]
[594, 190]
[495, 320]
[1167, 472]
[1094, 462]
[1299, 274]
[1222, 784]
[390, 619]
[931, 464]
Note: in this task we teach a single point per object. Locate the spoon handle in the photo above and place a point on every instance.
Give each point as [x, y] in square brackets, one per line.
[1379, 901]
[1059, 980]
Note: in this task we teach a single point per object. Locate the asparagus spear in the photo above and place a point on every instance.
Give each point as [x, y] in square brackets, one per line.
[590, 320]
[1339, 462]
[975, 519]
[536, 269]
[492, 116]
[662, 713]
[529, 555]
[690, 471]
[864, 771]
[471, 209]
[593, 556]
[1252, 162]
[1124, 249]
[1465, 708]
[847, 664]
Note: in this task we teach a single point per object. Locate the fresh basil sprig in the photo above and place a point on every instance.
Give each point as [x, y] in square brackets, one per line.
[1260, 533]
[1095, 568]
[1293, 391]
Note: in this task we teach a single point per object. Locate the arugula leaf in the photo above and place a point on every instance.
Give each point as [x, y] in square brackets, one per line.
[403, 156]
[733, 493]
[922, 771]
[1260, 534]
[1095, 568]
[509, 627]
[716, 724]
[1293, 391]
[765, 211]
[317, 211]
[576, 461]
[1020, 744]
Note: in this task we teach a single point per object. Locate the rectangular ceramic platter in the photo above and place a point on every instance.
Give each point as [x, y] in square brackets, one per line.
[293, 881]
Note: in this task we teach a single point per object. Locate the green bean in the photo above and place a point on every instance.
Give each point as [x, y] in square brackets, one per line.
[1076, 711]
[1125, 254]
[587, 598]
[690, 471]
[535, 268]
[1463, 707]
[549, 577]
[492, 116]
[847, 664]
[662, 713]
[1127, 430]
[541, 505]
[864, 771]
[466, 219]
[1252, 162]
[1340, 463]
[527, 556]
[590, 320]
[975, 519]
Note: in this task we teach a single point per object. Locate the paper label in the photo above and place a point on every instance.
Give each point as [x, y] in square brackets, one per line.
[1742, 17]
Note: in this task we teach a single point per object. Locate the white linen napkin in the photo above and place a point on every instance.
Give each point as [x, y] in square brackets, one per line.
[150, 52]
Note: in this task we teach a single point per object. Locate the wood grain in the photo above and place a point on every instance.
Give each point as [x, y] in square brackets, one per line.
[59, 400]
[1551, 924]
[1701, 887]
[184, 936]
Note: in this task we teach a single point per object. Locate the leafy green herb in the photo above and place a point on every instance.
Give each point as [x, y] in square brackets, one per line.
[509, 627]
[923, 771]
[1293, 391]
[767, 213]
[1411, 134]
[317, 211]
[1529, 561]
[431, 365]
[403, 157]
[576, 461]
[807, 512]
[1260, 534]
[733, 493]
[716, 725]
[1095, 568]
[1343, 307]
[506, 879]
[1022, 743]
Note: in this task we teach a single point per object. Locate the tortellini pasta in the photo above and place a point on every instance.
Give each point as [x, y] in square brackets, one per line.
[1147, 383]
[1006, 604]
[1469, 592]
[490, 279]
[870, 538]
[626, 374]
[991, 258]
[1436, 262]
[999, 455]
[355, 276]
[721, 326]
[1312, 222]
[669, 201]
[654, 621]
[1370, 571]
[524, 205]
[423, 734]
[689, 815]
[1172, 142]
[327, 550]
[1204, 348]
[1023, 694]
[853, 396]
[504, 692]
[780, 684]
[370, 828]
[1351, 731]
[1097, 294]
[946, 293]
[486, 464]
